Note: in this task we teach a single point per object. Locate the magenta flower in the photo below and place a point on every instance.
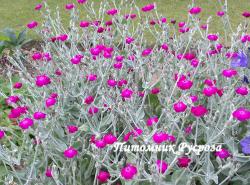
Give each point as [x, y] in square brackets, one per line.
[212, 37]
[11, 100]
[126, 93]
[118, 65]
[184, 84]
[42, 80]
[137, 132]
[151, 121]
[84, 24]
[160, 137]
[162, 166]
[148, 8]
[220, 13]
[50, 102]
[209, 91]
[111, 82]
[72, 129]
[223, 153]
[112, 12]
[37, 56]
[32, 24]
[180, 107]
[93, 110]
[69, 6]
[242, 90]
[129, 40]
[62, 37]
[195, 10]
[183, 162]
[188, 129]
[91, 77]
[164, 46]
[241, 114]
[228, 73]
[48, 172]
[2, 134]
[38, 7]
[246, 14]
[146, 52]
[194, 62]
[39, 115]
[100, 143]
[17, 85]
[155, 91]
[194, 98]
[109, 139]
[128, 172]
[198, 111]
[89, 99]
[70, 152]
[26, 123]
[189, 56]
[76, 59]
[81, 1]
[103, 176]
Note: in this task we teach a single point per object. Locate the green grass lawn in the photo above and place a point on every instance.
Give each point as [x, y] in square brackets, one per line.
[16, 14]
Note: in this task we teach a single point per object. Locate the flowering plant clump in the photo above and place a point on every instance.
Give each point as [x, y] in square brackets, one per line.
[97, 82]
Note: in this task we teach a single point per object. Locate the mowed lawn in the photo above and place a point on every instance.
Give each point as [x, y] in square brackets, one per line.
[17, 13]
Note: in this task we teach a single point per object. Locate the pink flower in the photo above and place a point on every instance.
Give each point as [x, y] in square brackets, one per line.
[2, 134]
[112, 12]
[26, 123]
[155, 91]
[242, 91]
[69, 6]
[81, 1]
[209, 82]
[62, 37]
[128, 172]
[129, 40]
[209, 91]
[195, 10]
[50, 102]
[38, 6]
[127, 136]
[93, 110]
[53, 95]
[109, 139]
[18, 85]
[39, 115]
[95, 51]
[171, 138]
[91, 77]
[84, 24]
[162, 166]
[181, 24]
[17, 112]
[198, 111]
[42, 80]
[103, 176]
[188, 129]
[241, 114]
[223, 153]
[12, 99]
[160, 137]
[118, 65]
[37, 56]
[70, 152]
[47, 57]
[212, 37]
[151, 121]
[246, 14]
[220, 13]
[164, 46]
[72, 129]
[137, 132]
[48, 172]
[194, 98]
[204, 26]
[119, 58]
[122, 82]
[146, 52]
[189, 56]
[194, 62]
[32, 24]
[184, 84]
[229, 73]
[100, 143]
[183, 162]
[126, 93]
[58, 72]
[89, 99]
[76, 59]
[180, 107]
[111, 82]
[148, 8]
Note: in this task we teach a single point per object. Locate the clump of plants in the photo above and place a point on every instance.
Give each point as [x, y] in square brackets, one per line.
[97, 82]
